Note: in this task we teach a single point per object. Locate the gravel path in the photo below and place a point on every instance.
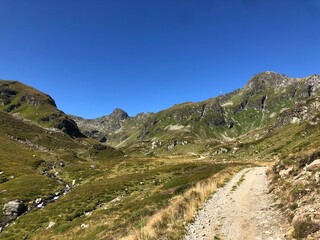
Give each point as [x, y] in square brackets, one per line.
[240, 210]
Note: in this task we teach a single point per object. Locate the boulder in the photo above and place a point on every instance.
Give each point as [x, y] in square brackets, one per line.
[102, 139]
[285, 172]
[314, 165]
[99, 147]
[14, 208]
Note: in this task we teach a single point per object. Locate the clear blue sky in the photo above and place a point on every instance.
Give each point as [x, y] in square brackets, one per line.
[92, 56]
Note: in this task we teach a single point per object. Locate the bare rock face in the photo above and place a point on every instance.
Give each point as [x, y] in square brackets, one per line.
[69, 127]
[119, 114]
[14, 208]
[261, 81]
[301, 112]
[102, 129]
[314, 165]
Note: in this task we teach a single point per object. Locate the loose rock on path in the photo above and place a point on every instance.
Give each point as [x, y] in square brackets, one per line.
[241, 210]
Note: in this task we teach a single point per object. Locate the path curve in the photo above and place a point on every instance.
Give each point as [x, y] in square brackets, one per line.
[241, 210]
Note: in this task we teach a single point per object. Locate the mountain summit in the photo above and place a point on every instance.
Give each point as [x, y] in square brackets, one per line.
[119, 114]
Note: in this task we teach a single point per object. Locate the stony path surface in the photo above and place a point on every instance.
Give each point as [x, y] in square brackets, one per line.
[241, 210]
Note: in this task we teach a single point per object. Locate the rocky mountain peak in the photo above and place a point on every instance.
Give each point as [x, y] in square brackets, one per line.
[268, 79]
[119, 114]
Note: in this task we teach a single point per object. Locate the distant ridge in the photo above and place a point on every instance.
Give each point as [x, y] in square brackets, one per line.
[256, 105]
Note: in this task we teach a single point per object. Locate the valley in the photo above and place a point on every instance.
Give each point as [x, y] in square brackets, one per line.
[145, 177]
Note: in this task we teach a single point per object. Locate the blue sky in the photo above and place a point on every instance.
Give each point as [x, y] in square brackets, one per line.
[146, 55]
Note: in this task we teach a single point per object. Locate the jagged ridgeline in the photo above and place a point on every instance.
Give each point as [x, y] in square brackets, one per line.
[259, 104]
[61, 179]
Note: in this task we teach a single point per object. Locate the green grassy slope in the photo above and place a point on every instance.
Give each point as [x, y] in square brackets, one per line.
[111, 194]
[229, 117]
[29, 103]
[115, 193]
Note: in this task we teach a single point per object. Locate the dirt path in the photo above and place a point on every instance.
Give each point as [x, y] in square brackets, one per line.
[240, 210]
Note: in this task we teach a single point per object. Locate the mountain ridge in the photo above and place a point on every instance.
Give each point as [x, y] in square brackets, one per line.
[64, 186]
[255, 105]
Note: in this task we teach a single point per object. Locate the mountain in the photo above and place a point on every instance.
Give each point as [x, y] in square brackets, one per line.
[152, 171]
[257, 105]
[66, 186]
[26, 102]
[114, 128]
[104, 126]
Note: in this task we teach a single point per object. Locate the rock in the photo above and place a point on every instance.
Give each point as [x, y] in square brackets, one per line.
[285, 172]
[171, 145]
[221, 150]
[155, 144]
[317, 177]
[84, 226]
[14, 208]
[51, 224]
[102, 139]
[99, 147]
[117, 199]
[289, 232]
[69, 127]
[314, 165]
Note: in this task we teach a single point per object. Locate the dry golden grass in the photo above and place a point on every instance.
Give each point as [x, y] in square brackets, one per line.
[172, 220]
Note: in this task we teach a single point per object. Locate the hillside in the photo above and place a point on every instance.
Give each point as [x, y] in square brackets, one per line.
[190, 127]
[56, 183]
[31, 104]
[144, 177]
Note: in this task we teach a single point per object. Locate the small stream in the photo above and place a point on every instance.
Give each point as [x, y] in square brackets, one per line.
[40, 202]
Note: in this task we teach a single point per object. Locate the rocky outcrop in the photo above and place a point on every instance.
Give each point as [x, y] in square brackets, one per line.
[95, 134]
[296, 181]
[6, 94]
[14, 208]
[69, 127]
[306, 111]
[213, 114]
[64, 123]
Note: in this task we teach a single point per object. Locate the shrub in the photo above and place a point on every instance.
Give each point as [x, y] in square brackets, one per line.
[303, 228]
